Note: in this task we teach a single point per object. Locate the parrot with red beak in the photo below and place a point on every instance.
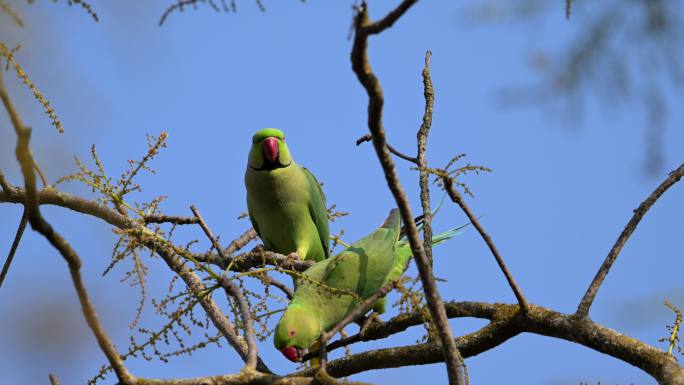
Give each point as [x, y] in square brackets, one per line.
[285, 201]
[331, 289]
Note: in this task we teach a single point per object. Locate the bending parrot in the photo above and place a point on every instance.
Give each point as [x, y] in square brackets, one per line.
[362, 269]
[285, 201]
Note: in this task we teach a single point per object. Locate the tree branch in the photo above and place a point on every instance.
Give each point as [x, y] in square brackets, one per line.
[507, 322]
[585, 304]
[3, 183]
[457, 198]
[53, 379]
[239, 263]
[32, 206]
[368, 137]
[241, 241]
[365, 75]
[242, 378]
[176, 220]
[422, 137]
[15, 245]
[233, 291]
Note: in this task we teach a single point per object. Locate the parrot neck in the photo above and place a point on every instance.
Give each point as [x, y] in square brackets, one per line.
[307, 316]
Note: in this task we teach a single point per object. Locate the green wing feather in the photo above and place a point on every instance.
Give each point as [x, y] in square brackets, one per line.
[363, 267]
[318, 210]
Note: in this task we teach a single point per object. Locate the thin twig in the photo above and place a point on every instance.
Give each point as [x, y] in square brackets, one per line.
[241, 241]
[175, 219]
[195, 285]
[508, 322]
[6, 186]
[422, 138]
[41, 174]
[365, 75]
[457, 198]
[268, 280]
[27, 163]
[15, 244]
[585, 304]
[53, 379]
[368, 137]
[232, 290]
[256, 257]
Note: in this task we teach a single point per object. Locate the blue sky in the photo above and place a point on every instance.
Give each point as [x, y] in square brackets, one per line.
[561, 190]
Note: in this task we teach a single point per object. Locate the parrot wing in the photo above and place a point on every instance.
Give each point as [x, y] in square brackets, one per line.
[318, 211]
[363, 267]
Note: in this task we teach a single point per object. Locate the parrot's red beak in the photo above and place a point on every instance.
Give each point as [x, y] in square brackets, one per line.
[292, 353]
[270, 146]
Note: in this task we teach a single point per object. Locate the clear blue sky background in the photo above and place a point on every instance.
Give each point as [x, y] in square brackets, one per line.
[558, 198]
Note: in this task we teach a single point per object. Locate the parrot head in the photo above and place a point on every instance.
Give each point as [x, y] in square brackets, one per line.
[296, 332]
[269, 150]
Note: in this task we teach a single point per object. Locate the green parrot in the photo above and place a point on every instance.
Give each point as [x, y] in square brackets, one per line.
[285, 201]
[362, 268]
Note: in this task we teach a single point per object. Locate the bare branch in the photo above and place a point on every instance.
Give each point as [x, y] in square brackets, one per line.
[241, 241]
[176, 220]
[256, 257]
[242, 378]
[365, 75]
[389, 19]
[232, 290]
[457, 198]
[194, 283]
[15, 244]
[268, 280]
[368, 137]
[4, 183]
[507, 322]
[27, 163]
[181, 4]
[53, 379]
[41, 174]
[422, 137]
[238, 263]
[585, 304]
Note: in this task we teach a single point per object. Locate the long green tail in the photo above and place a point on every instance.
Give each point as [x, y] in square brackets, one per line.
[403, 247]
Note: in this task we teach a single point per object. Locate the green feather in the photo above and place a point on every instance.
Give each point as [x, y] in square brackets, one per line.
[285, 201]
[332, 288]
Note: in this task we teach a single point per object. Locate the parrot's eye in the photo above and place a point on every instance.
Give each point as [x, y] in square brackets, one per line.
[283, 138]
[292, 332]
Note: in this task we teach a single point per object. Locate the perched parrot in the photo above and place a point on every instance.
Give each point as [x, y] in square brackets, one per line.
[285, 201]
[362, 268]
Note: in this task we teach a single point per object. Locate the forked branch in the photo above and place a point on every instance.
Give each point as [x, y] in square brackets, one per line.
[363, 27]
[233, 291]
[32, 206]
